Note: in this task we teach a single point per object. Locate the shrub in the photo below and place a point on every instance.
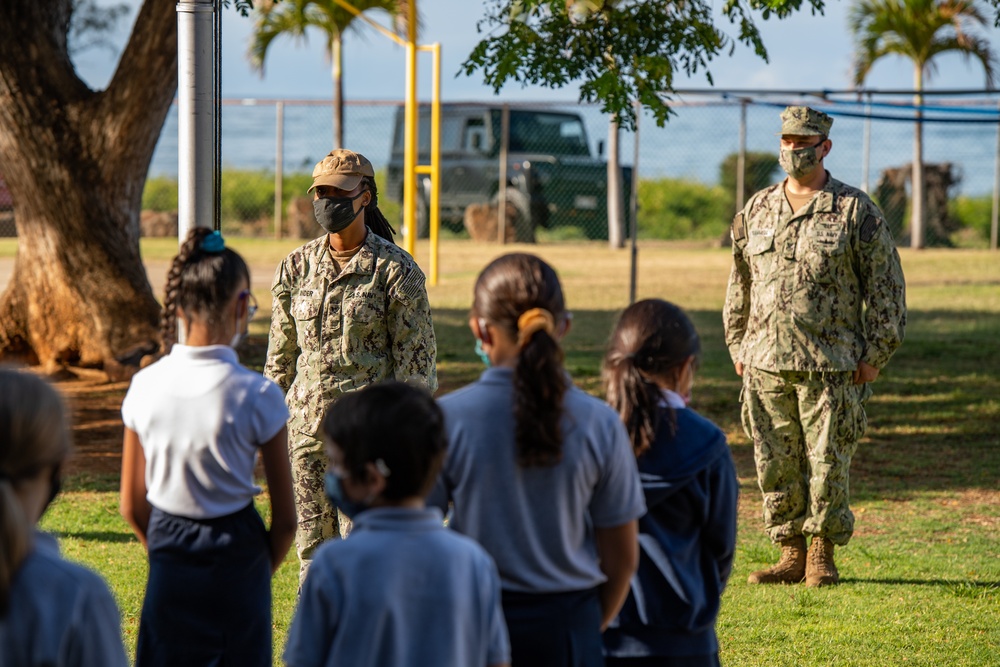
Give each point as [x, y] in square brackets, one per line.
[247, 195]
[160, 194]
[679, 209]
[759, 169]
[974, 215]
[294, 185]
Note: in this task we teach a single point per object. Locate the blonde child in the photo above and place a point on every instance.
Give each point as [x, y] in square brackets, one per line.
[52, 612]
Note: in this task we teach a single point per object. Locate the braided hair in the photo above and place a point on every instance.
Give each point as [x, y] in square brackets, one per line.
[202, 278]
[652, 340]
[374, 218]
[508, 289]
[34, 433]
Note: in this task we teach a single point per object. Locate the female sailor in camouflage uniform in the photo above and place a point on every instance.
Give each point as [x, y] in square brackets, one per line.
[350, 309]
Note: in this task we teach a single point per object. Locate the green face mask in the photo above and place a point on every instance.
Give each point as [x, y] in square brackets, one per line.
[799, 162]
[481, 353]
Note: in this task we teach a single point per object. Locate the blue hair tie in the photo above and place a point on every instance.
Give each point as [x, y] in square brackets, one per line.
[213, 242]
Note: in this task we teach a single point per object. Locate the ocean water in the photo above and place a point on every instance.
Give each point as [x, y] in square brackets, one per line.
[691, 145]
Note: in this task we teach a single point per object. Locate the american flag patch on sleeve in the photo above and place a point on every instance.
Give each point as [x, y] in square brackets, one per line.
[739, 231]
[410, 287]
[869, 228]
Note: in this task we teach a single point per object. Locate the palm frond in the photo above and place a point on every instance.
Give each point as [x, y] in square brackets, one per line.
[918, 30]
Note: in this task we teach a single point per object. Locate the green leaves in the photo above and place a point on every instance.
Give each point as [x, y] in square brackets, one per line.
[244, 7]
[619, 50]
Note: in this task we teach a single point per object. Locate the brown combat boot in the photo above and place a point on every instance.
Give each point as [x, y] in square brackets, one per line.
[791, 569]
[820, 570]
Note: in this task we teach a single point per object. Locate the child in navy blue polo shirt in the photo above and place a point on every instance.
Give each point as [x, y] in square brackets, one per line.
[688, 536]
[401, 590]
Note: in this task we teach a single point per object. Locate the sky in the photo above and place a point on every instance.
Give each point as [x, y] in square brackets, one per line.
[806, 52]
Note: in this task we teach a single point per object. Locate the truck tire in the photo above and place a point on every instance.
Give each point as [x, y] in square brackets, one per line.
[518, 214]
[423, 214]
[423, 217]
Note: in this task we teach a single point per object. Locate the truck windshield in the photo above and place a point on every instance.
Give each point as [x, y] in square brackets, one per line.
[547, 132]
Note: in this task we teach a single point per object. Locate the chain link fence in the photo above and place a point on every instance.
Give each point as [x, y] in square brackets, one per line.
[556, 174]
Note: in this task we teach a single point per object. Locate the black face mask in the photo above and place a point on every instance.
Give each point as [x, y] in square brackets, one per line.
[335, 214]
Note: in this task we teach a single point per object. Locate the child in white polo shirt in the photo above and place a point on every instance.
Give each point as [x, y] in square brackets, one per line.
[194, 423]
[402, 589]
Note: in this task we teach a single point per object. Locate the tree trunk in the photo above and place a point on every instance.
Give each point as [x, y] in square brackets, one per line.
[336, 56]
[917, 208]
[76, 162]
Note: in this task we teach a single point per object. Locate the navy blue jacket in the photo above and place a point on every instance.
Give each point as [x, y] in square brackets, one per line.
[687, 540]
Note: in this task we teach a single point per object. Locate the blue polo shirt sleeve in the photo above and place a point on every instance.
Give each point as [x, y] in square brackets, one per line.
[618, 496]
[96, 639]
[720, 531]
[314, 627]
[498, 651]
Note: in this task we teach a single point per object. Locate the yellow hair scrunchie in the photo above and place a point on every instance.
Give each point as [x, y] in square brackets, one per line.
[530, 321]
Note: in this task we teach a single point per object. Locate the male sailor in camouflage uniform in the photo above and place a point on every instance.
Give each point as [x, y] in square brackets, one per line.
[349, 309]
[815, 307]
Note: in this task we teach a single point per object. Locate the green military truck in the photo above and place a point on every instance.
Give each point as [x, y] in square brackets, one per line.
[552, 178]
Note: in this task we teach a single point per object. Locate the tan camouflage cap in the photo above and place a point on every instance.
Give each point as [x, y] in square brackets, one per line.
[342, 169]
[805, 121]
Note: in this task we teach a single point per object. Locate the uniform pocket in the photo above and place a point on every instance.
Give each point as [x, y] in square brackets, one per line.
[824, 253]
[760, 253]
[365, 307]
[306, 313]
[862, 392]
[306, 309]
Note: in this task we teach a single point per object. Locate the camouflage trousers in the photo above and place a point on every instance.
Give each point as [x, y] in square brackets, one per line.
[318, 520]
[805, 428]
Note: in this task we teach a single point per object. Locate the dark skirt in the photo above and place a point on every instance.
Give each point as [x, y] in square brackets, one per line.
[208, 597]
[554, 629]
[665, 661]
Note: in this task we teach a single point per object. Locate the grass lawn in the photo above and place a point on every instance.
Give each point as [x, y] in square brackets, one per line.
[921, 578]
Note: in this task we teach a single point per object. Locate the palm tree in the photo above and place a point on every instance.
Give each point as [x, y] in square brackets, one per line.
[293, 17]
[918, 30]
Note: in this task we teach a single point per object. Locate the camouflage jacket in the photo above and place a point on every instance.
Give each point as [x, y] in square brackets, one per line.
[331, 334]
[818, 290]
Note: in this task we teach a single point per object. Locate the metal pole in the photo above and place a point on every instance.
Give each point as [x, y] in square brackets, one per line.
[616, 228]
[634, 208]
[741, 158]
[196, 140]
[279, 168]
[867, 145]
[410, 139]
[996, 195]
[435, 198]
[502, 191]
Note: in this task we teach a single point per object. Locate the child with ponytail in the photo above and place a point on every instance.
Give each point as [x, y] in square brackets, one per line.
[688, 536]
[52, 612]
[194, 423]
[540, 473]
